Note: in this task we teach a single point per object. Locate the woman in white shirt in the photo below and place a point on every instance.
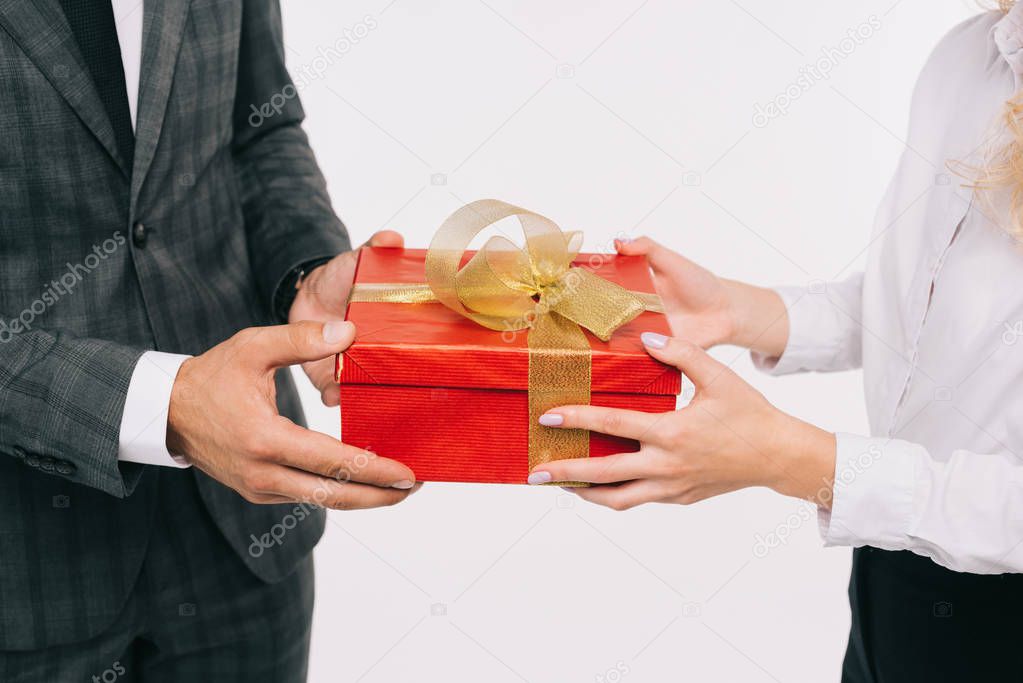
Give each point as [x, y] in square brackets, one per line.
[933, 498]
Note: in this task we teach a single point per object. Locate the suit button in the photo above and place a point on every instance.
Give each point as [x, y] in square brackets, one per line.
[139, 235]
[47, 464]
[66, 468]
[32, 460]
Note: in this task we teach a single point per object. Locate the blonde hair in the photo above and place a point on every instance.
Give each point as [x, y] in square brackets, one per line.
[1002, 170]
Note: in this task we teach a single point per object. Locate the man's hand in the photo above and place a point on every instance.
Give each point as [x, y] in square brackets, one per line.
[322, 296]
[223, 418]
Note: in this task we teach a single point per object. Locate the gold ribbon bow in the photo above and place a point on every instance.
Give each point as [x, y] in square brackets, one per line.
[507, 288]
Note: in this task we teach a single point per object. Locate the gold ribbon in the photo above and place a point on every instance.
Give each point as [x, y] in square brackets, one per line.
[507, 288]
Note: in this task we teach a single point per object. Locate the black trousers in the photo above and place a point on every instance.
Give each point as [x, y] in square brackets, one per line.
[913, 620]
[196, 613]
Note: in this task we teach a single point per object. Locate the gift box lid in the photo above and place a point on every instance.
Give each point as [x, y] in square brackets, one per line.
[428, 344]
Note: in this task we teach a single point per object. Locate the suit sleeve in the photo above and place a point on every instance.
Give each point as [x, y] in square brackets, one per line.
[825, 328]
[288, 216]
[61, 401]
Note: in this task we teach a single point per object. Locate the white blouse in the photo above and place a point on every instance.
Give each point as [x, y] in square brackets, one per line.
[936, 322]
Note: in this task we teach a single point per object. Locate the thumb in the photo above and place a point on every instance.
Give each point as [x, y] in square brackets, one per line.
[694, 362]
[660, 257]
[386, 238]
[283, 345]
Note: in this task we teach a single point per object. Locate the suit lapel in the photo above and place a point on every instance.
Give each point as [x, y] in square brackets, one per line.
[163, 30]
[41, 30]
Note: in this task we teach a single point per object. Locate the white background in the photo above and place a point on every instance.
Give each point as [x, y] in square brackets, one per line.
[637, 117]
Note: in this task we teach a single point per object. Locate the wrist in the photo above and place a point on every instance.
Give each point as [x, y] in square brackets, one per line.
[758, 318]
[289, 291]
[805, 457]
[181, 395]
[735, 312]
[307, 285]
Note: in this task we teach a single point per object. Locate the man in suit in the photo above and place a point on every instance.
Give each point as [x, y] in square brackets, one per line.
[151, 235]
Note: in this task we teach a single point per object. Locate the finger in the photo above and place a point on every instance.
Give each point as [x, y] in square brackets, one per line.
[694, 362]
[331, 395]
[629, 424]
[660, 257]
[386, 238]
[308, 488]
[269, 499]
[608, 469]
[623, 496]
[283, 345]
[318, 453]
[321, 373]
[629, 246]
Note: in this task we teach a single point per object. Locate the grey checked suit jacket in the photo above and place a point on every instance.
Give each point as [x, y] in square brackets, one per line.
[232, 203]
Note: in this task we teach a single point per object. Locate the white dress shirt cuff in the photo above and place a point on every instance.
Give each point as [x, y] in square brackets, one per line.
[874, 487]
[824, 329]
[143, 436]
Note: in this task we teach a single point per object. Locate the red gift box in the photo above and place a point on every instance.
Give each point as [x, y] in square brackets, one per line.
[432, 389]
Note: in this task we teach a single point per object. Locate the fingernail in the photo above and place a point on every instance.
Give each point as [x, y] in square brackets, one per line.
[404, 484]
[539, 478]
[625, 240]
[335, 330]
[552, 420]
[654, 340]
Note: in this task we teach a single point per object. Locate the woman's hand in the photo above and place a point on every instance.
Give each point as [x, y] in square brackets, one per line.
[709, 310]
[729, 437]
[696, 301]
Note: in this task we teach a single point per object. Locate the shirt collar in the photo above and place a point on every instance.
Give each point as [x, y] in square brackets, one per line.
[1008, 35]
